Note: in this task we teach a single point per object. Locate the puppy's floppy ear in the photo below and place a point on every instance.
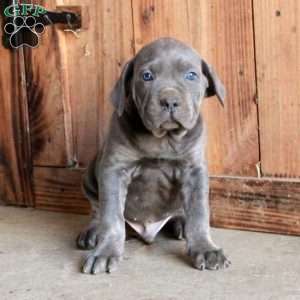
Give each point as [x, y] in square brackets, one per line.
[215, 86]
[121, 89]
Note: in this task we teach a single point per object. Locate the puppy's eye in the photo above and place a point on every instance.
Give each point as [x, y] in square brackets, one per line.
[147, 76]
[191, 76]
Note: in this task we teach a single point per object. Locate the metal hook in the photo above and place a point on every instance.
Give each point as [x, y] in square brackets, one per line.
[75, 32]
[48, 19]
[68, 17]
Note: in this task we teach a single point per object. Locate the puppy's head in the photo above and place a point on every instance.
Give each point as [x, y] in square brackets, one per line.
[167, 81]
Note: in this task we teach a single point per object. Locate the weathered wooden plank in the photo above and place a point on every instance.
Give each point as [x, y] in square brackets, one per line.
[59, 189]
[117, 49]
[240, 203]
[95, 60]
[277, 37]
[15, 155]
[157, 18]
[222, 32]
[266, 205]
[84, 81]
[48, 99]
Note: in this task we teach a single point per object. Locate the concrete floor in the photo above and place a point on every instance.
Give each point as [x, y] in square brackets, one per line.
[38, 260]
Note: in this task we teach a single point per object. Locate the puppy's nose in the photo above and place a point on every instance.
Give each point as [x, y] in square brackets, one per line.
[169, 104]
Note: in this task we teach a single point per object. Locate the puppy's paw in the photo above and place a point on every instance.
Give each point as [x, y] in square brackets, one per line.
[211, 260]
[178, 229]
[107, 253]
[100, 264]
[87, 239]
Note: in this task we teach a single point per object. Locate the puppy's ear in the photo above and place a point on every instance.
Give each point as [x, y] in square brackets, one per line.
[121, 89]
[215, 85]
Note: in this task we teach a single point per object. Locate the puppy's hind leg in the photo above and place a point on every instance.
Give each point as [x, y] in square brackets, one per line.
[175, 228]
[178, 228]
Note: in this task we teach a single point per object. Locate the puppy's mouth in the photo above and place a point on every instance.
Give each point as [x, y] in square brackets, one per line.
[170, 125]
[171, 128]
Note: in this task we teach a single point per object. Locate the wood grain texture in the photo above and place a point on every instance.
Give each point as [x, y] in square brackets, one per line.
[117, 48]
[277, 35]
[59, 189]
[239, 203]
[15, 154]
[222, 32]
[95, 60]
[49, 113]
[84, 82]
[266, 205]
[153, 19]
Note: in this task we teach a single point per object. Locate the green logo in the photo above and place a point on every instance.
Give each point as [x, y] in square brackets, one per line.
[23, 9]
[24, 29]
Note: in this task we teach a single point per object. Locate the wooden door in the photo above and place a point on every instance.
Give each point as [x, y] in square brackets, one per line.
[65, 107]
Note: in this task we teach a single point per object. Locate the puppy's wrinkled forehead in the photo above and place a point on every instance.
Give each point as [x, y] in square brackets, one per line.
[167, 50]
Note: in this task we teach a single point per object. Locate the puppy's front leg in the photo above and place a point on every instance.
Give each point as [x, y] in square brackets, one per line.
[112, 190]
[195, 191]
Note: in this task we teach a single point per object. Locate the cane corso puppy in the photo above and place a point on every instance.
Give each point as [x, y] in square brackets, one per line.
[152, 168]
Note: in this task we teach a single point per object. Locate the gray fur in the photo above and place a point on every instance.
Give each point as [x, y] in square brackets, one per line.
[152, 168]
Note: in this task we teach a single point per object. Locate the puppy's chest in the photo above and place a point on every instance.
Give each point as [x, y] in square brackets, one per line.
[163, 169]
[164, 149]
[153, 195]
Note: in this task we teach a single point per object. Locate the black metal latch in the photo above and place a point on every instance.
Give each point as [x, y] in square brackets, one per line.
[24, 23]
[71, 19]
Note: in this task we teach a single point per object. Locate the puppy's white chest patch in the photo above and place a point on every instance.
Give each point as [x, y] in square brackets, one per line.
[148, 231]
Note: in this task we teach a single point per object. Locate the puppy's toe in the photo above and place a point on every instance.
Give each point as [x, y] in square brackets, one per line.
[88, 264]
[211, 260]
[215, 260]
[86, 240]
[112, 264]
[100, 264]
[199, 262]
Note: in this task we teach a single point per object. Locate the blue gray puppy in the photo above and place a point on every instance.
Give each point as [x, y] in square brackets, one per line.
[152, 167]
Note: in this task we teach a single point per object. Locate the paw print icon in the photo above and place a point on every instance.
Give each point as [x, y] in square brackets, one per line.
[24, 31]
